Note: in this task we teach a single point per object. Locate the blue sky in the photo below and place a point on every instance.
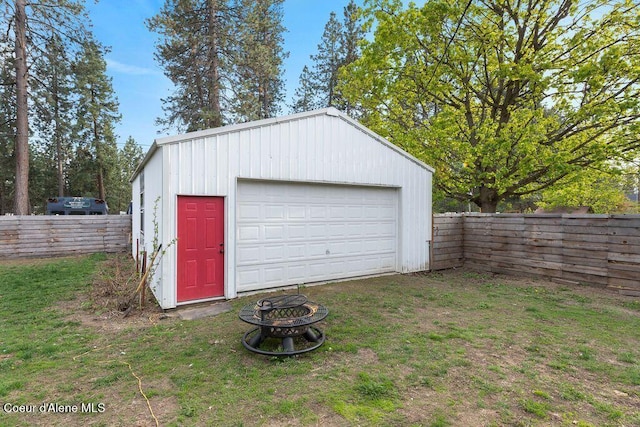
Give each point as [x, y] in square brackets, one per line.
[139, 81]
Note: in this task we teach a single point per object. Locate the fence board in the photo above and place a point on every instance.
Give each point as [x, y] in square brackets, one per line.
[596, 249]
[448, 242]
[45, 236]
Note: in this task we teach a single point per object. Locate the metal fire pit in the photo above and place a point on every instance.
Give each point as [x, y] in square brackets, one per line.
[285, 317]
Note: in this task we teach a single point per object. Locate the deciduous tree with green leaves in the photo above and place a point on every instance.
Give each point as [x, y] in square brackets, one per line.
[504, 98]
[602, 191]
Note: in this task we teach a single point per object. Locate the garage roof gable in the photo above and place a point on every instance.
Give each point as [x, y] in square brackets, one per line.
[331, 111]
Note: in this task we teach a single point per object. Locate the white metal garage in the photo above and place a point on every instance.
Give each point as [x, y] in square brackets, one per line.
[294, 233]
[305, 198]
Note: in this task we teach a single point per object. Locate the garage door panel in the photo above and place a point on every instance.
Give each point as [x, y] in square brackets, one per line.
[250, 278]
[273, 274]
[296, 231]
[354, 230]
[248, 234]
[296, 212]
[386, 229]
[337, 211]
[302, 233]
[388, 212]
[250, 255]
[316, 230]
[297, 274]
[387, 263]
[354, 212]
[337, 248]
[274, 212]
[274, 232]
[248, 211]
[337, 230]
[317, 212]
[296, 251]
[274, 253]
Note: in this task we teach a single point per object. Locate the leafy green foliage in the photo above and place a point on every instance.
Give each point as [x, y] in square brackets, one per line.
[503, 98]
[599, 190]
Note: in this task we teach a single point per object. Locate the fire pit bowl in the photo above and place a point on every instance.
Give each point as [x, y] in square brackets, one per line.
[288, 318]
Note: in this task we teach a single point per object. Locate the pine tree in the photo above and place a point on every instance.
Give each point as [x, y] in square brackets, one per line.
[194, 52]
[29, 25]
[352, 34]
[96, 114]
[338, 47]
[258, 60]
[7, 127]
[304, 98]
[53, 105]
[328, 60]
[129, 156]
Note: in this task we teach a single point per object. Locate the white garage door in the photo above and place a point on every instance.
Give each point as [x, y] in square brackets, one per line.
[292, 233]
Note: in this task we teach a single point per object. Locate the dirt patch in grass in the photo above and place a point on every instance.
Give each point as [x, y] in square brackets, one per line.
[111, 304]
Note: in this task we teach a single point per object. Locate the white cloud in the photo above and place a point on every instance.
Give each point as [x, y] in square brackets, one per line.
[119, 67]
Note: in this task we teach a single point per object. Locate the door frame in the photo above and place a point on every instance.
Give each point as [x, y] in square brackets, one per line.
[225, 241]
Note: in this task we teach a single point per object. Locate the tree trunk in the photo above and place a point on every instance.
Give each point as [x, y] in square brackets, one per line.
[99, 160]
[21, 197]
[58, 136]
[214, 72]
[101, 190]
[487, 200]
[60, 165]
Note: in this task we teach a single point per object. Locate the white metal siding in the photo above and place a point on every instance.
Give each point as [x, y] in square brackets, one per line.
[294, 233]
[154, 199]
[135, 217]
[323, 147]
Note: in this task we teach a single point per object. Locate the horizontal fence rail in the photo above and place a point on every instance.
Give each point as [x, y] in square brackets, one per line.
[569, 248]
[49, 236]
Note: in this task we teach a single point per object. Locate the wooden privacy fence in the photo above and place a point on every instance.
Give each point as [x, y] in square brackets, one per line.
[594, 249]
[47, 236]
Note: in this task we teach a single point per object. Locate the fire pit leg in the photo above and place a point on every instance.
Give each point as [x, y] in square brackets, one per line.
[287, 345]
[311, 336]
[256, 340]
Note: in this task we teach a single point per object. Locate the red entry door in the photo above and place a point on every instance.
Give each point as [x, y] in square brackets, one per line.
[200, 247]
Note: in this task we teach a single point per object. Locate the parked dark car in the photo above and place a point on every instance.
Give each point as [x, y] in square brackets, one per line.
[76, 206]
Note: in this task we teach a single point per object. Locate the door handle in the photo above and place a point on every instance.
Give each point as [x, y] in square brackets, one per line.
[221, 248]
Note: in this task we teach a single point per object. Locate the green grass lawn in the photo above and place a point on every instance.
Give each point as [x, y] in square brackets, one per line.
[443, 349]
